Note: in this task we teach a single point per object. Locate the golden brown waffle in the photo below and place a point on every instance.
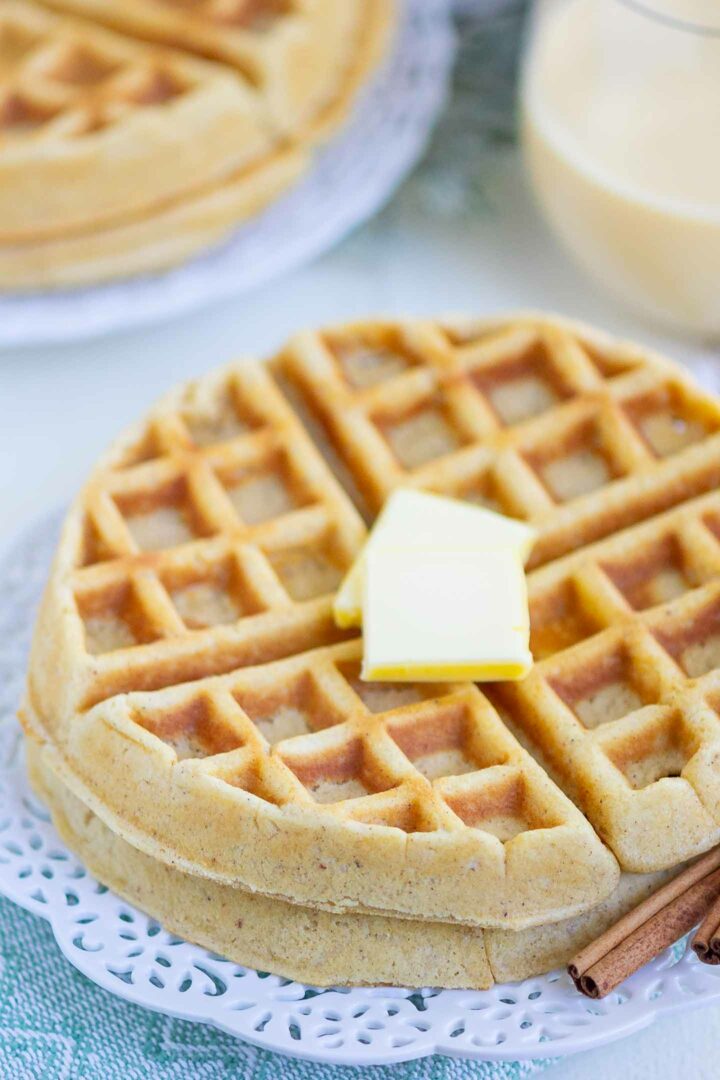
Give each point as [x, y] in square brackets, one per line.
[206, 545]
[305, 57]
[556, 424]
[293, 778]
[119, 156]
[150, 242]
[96, 128]
[318, 947]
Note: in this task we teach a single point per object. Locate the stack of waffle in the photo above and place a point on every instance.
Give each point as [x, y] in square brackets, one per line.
[133, 133]
[197, 722]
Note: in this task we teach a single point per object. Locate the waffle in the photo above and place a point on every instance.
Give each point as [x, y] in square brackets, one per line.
[306, 57]
[319, 947]
[96, 128]
[587, 439]
[194, 691]
[258, 756]
[119, 156]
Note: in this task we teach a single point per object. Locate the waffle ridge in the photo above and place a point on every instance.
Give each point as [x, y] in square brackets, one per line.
[275, 767]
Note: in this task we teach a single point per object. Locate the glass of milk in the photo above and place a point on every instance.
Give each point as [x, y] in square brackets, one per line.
[621, 131]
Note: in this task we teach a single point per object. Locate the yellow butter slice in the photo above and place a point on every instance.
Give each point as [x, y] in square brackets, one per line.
[420, 520]
[445, 616]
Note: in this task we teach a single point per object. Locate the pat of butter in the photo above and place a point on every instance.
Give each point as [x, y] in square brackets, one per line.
[438, 615]
[419, 520]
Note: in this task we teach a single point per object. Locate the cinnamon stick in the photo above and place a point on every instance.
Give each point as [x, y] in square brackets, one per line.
[648, 929]
[706, 942]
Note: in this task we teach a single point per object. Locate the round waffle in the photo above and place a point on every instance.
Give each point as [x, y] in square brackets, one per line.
[119, 154]
[189, 685]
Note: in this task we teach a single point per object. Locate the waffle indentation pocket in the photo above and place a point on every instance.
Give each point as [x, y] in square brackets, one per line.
[655, 574]
[493, 490]
[288, 710]
[692, 638]
[224, 418]
[79, 66]
[21, 114]
[215, 594]
[422, 435]
[114, 618]
[578, 462]
[669, 421]
[381, 697]
[161, 518]
[16, 41]
[524, 386]
[364, 365]
[500, 801]
[196, 728]
[264, 490]
[655, 744]
[308, 570]
[606, 683]
[442, 740]
[560, 616]
[336, 766]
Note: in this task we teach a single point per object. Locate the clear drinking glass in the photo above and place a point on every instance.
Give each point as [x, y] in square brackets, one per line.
[621, 132]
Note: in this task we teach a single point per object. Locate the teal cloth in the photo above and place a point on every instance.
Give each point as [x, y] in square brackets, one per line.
[57, 1025]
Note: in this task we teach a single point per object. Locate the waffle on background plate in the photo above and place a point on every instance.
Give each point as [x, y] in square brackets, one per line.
[135, 136]
[187, 683]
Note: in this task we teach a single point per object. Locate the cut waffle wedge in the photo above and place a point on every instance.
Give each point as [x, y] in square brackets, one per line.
[319, 947]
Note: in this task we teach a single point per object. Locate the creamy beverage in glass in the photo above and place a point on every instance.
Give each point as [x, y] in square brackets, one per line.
[621, 131]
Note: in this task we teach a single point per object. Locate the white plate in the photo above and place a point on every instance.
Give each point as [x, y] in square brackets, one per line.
[349, 181]
[128, 954]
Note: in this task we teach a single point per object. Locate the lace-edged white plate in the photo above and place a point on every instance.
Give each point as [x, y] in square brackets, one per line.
[349, 181]
[130, 955]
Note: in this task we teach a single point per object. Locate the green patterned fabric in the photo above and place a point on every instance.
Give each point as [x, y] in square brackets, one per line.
[56, 1025]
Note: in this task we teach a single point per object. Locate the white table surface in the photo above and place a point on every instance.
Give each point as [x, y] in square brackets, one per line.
[61, 406]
